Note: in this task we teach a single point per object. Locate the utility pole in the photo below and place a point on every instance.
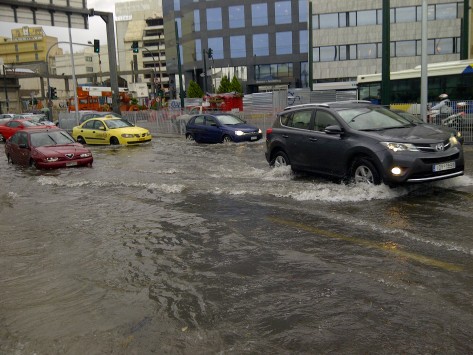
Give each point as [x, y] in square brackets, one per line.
[204, 54]
[386, 56]
[465, 29]
[181, 91]
[107, 17]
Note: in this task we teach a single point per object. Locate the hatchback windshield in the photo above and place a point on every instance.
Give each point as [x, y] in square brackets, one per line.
[229, 119]
[367, 119]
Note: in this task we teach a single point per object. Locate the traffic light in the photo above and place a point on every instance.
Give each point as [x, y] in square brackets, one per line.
[210, 53]
[134, 46]
[53, 93]
[96, 46]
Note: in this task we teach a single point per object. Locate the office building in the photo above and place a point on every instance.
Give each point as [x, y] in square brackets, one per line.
[347, 36]
[264, 43]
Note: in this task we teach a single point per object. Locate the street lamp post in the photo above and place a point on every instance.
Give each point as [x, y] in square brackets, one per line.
[76, 104]
[155, 76]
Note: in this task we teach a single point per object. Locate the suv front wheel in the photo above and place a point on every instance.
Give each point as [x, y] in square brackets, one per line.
[364, 171]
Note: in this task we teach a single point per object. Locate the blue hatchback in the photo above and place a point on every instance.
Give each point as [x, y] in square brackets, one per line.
[220, 128]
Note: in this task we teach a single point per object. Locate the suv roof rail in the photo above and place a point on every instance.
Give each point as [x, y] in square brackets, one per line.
[327, 104]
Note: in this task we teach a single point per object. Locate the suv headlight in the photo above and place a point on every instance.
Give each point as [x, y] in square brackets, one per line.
[400, 147]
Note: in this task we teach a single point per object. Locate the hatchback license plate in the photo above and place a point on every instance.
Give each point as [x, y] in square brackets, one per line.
[443, 166]
[253, 138]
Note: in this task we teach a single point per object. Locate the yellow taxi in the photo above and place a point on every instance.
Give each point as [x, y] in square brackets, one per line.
[110, 130]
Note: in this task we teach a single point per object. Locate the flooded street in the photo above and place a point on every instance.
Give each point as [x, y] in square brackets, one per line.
[180, 248]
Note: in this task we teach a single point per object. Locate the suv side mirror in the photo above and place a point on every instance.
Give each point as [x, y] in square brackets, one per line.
[335, 129]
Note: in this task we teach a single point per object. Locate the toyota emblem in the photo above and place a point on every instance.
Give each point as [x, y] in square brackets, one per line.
[439, 147]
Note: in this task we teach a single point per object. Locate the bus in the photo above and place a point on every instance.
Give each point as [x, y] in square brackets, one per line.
[452, 78]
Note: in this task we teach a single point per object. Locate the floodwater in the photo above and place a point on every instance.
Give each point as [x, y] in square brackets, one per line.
[180, 248]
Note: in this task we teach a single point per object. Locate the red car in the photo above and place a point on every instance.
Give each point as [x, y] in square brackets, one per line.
[46, 149]
[7, 129]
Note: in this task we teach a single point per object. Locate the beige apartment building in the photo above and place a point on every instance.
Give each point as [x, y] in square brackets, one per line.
[347, 36]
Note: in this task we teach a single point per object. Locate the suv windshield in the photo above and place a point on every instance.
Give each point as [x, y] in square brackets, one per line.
[366, 119]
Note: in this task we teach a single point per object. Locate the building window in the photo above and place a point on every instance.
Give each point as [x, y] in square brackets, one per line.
[196, 20]
[282, 10]
[328, 21]
[367, 17]
[35, 46]
[303, 41]
[177, 5]
[198, 49]
[216, 44]
[259, 14]
[269, 72]
[405, 48]
[446, 11]
[304, 74]
[283, 42]
[260, 44]
[405, 14]
[89, 69]
[367, 51]
[214, 19]
[236, 16]
[303, 11]
[397, 15]
[88, 59]
[443, 46]
[328, 54]
[237, 47]
[179, 29]
[36, 56]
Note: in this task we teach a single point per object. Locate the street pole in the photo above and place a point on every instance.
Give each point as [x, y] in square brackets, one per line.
[424, 74]
[74, 83]
[155, 75]
[465, 28]
[107, 17]
[204, 54]
[311, 56]
[386, 56]
[181, 91]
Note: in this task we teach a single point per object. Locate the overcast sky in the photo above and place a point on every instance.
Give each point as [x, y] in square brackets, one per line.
[97, 28]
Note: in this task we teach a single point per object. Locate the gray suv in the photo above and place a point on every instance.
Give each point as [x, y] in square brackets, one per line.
[362, 142]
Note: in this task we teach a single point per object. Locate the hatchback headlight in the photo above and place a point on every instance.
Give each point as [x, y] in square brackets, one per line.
[127, 135]
[239, 133]
[51, 159]
[85, 155]
[400, 147]
[453, 140]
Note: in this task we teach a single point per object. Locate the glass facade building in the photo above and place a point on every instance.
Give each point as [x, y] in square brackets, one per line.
[264, 43]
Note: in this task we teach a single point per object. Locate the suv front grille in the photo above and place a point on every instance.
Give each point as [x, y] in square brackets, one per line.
[433, 147]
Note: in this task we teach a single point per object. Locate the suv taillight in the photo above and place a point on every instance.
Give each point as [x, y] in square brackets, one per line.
[269, 131]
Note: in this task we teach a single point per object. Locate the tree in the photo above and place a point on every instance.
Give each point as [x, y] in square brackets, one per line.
[194, 90]
[224, 85]
[235, 85]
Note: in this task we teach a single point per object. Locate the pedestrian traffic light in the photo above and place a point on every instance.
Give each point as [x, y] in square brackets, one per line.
[96, 46]
[134, 46]
[210, 53]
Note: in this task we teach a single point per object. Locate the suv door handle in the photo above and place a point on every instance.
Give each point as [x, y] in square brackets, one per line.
[285, 136]
[313, 139]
